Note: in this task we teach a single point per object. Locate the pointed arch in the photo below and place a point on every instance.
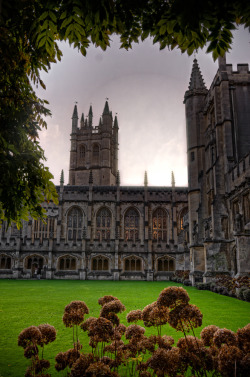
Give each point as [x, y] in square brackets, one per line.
[44, 229]
[103, 224]
[160, 224]
[66, 263]
[100, 263]
[34, 260]
[132, 263]
[81, 154]
[165, 264]
[5, 262]
[131, 224]
[182, 217]
[95, 154]
[75, 222]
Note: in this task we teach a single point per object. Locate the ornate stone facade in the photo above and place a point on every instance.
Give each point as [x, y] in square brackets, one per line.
[101, 230]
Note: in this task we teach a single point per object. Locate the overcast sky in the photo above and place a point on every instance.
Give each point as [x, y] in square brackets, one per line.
[145, 88]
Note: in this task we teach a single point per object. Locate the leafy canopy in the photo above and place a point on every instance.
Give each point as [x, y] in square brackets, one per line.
[30, 30]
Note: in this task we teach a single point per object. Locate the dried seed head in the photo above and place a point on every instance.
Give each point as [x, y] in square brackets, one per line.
[134, 316]
[29, 335]
[207, 334]
[224, 336]
[48, 333]
[173, 296]
[105, 299]
[185, 317]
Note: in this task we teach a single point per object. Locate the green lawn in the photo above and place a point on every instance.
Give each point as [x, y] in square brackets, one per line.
[24, 303]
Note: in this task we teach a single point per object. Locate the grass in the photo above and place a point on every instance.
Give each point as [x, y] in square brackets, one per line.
[32, 302]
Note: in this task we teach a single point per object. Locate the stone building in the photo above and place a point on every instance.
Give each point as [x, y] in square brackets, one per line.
[102, 230]
[218, 146]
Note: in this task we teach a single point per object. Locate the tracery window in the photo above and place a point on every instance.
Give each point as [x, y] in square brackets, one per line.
[67, 263]
[44, 230]
[5, 262]
[100, 263]
[182, 219]
[81, 154]
[74, 224]
[95, 154]
[103, 224]
[246, 208]
[131, 225]
[34, 260]
[165, 264]
[132, 264]
[160, 225]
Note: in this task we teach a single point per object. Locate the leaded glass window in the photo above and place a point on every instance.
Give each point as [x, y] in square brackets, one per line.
[5, 262]
[67, 263]
[103, 224]
[74, 224]
[131, 225]
[165, 264]
[100, 263]
[95, 154]
[132, 264]
[160, 225]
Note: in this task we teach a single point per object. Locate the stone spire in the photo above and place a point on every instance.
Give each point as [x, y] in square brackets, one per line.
[82, 120]
[172, 180]
[106, 109]
[75, 113]
[146, 179]
[196, 80]
[90, 116]
[62, 178]
[116, 122]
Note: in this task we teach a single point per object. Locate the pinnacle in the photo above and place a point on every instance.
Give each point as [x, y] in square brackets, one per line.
[106, 109]
[116, 122]
[196, 80]
[75, 113]
[62, 178]
[146, 179]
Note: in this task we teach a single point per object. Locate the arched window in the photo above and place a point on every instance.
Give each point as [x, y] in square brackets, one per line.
[81, 154]
[132, 264]
[131, 225]
[67, 263]
[74, 224]
[5, 262]
[34, 260]
[100, 263]
[182, 218]
[95, 154]
[43, 230]
[103, 224]
[165, 264]
[160, 225]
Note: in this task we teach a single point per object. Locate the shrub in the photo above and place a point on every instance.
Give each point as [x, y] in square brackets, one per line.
[246, 295]
[241, 293]
[203, 286]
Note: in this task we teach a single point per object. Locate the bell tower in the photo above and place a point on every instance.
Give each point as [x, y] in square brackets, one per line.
[94, 148]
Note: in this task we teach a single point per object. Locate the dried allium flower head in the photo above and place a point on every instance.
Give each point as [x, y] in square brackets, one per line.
[31, 351]
[165, 341]
[165, 361]
[184, 317]
[134, 316]
[192, 352]
[102, 329]
[243, 337]
[146, 314]
[28, 336]
[159, 315]
[113, 318]
[76, 305]
[48, 333]
[245, 364]
[189, 344]
[173, 296]
[85, 325]
[41, 365]
[105, 299]
[207, 334]
[61, 361]
[99, 369]
[72, 355]
[81, 365]
[146, 344]
[121, 328]
[74, 313]
[112, 307]
[229, 359]
[114, 346]
[134, 331]
[224, 336]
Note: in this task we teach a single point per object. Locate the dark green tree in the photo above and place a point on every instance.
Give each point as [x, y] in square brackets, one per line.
[30, 30]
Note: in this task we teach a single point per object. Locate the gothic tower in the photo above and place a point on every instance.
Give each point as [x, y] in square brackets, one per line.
[94, 149]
